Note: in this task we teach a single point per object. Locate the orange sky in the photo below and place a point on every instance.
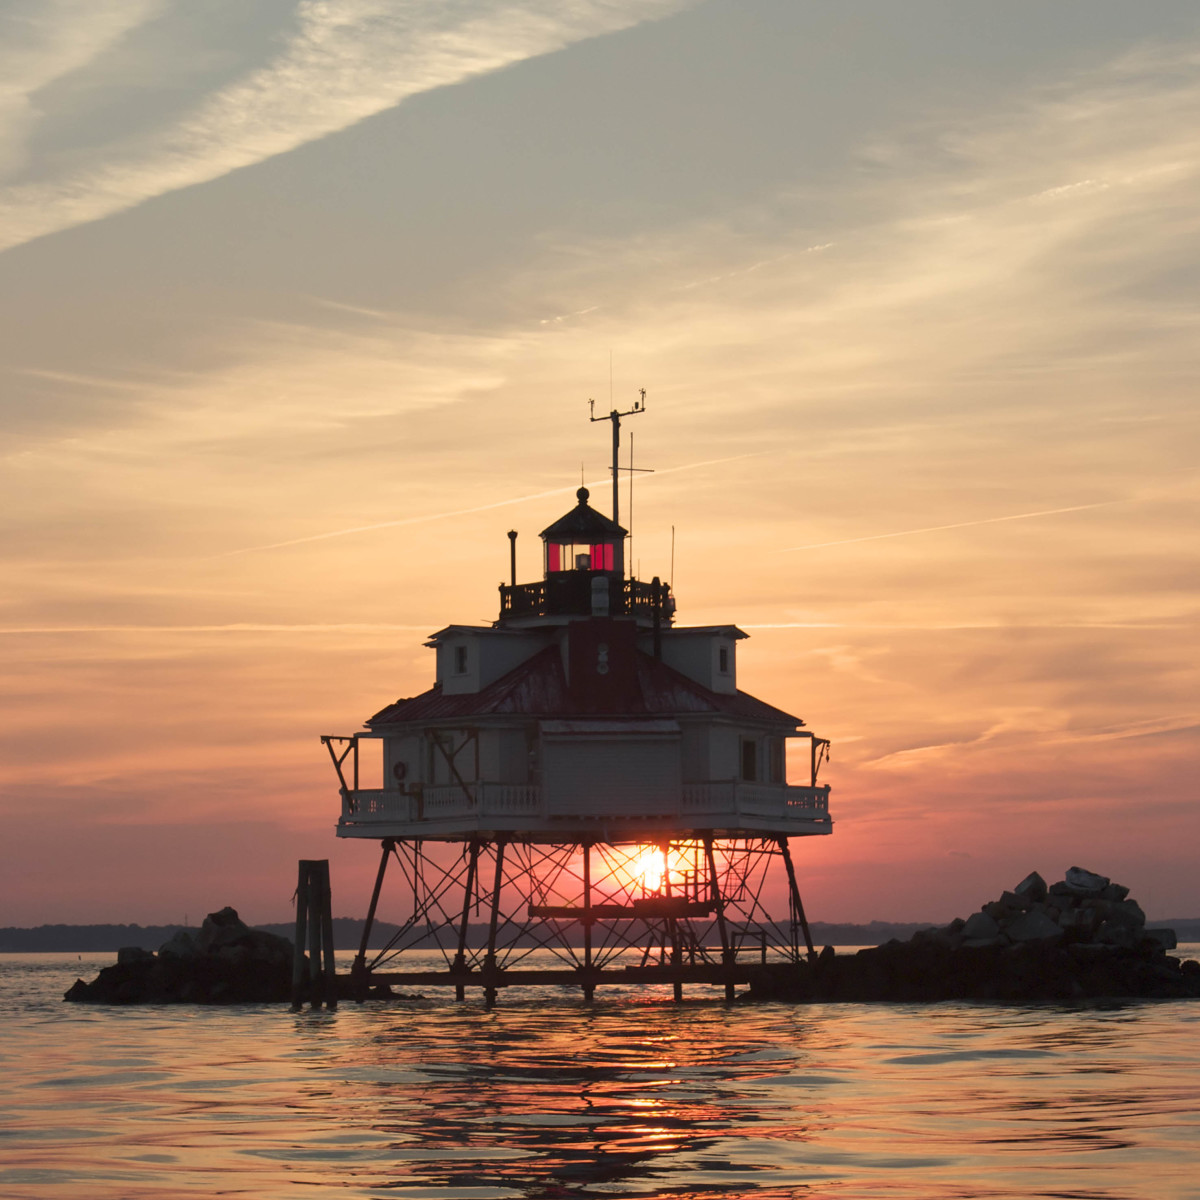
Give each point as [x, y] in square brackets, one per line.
[301, 317]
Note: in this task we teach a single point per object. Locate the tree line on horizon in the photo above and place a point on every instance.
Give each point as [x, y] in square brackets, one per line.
[347, 934]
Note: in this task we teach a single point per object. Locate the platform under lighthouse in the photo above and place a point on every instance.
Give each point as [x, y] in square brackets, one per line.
[586, 780]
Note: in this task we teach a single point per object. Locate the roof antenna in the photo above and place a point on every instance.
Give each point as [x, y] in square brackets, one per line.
[639, 406]
[631, 501]
[632, 471]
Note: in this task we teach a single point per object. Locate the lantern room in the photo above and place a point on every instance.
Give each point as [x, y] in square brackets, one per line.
[584, 540]
[583, 560]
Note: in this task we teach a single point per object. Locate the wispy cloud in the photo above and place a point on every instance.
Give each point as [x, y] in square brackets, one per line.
[1019, 247]
[462, 512]
[1028, 733]
[83, 381]
[1026, 516]
[44, 40]
[421, 520]
[1146, 727]
[345, 61]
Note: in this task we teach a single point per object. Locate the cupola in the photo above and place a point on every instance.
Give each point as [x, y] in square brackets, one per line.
[584, 540]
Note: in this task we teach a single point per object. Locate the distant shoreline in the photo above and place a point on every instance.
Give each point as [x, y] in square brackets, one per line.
[347, 934]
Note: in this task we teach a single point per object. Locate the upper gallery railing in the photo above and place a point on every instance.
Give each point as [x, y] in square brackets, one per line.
[569, 593]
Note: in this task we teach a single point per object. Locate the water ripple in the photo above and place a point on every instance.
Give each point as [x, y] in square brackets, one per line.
[545, 1098]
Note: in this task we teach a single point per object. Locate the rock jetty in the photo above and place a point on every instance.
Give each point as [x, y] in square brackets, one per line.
[223, 962]
[1080, 939]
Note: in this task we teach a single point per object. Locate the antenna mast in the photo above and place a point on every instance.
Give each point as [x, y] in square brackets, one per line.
[639, 406]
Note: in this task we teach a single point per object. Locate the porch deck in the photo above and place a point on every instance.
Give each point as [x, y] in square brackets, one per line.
[452, 811]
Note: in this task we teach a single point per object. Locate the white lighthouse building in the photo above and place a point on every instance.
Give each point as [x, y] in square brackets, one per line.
[585, 778]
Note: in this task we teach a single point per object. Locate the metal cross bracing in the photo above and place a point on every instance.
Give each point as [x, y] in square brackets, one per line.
[588, 913]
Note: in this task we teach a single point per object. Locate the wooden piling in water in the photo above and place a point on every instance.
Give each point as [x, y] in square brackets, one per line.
[326, 905]
[301, 937]
[314, 930]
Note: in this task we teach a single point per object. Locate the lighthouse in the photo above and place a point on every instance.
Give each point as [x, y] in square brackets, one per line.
[584, 795]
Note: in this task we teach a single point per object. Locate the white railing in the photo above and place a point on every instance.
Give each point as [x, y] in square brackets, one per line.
[441, 802]
[755, 799]
[377, 804]
[708, 797]
[511, 798]
[447, 802]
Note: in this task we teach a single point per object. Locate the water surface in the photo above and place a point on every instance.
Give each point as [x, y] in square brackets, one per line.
[632, 1096]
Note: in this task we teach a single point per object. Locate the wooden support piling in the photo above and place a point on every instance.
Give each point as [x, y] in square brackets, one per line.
[314, 930]
[301, 938]
[326, 907]
[316, 980]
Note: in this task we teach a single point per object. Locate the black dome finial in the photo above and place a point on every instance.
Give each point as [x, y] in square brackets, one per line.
[582, 495]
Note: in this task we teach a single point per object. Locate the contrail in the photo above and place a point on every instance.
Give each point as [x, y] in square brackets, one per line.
[336, 533]
[462, 512]
[875, 537]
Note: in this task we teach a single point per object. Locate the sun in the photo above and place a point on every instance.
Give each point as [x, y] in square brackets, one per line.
[648, 868]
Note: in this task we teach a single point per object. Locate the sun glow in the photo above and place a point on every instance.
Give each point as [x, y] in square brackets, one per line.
[648, 868]
[654, 870]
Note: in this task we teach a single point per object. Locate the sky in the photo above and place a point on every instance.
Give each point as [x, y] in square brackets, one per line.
[301, 305]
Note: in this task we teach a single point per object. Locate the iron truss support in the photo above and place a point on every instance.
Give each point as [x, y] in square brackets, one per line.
[495, 913]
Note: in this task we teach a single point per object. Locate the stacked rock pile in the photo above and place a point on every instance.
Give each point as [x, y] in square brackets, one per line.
[224, 962]
[1082, 938]
[1084, 908]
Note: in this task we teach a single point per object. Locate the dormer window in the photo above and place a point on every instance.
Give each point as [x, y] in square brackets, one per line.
[460, 660]
[723, 660]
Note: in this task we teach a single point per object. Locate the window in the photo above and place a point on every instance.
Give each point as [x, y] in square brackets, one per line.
[460, 660]
[577, 556]
[778, 771]
[749, 759]
[723, 660]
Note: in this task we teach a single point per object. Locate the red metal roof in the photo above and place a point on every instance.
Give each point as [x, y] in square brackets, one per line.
[538, 687]
[582, 524]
